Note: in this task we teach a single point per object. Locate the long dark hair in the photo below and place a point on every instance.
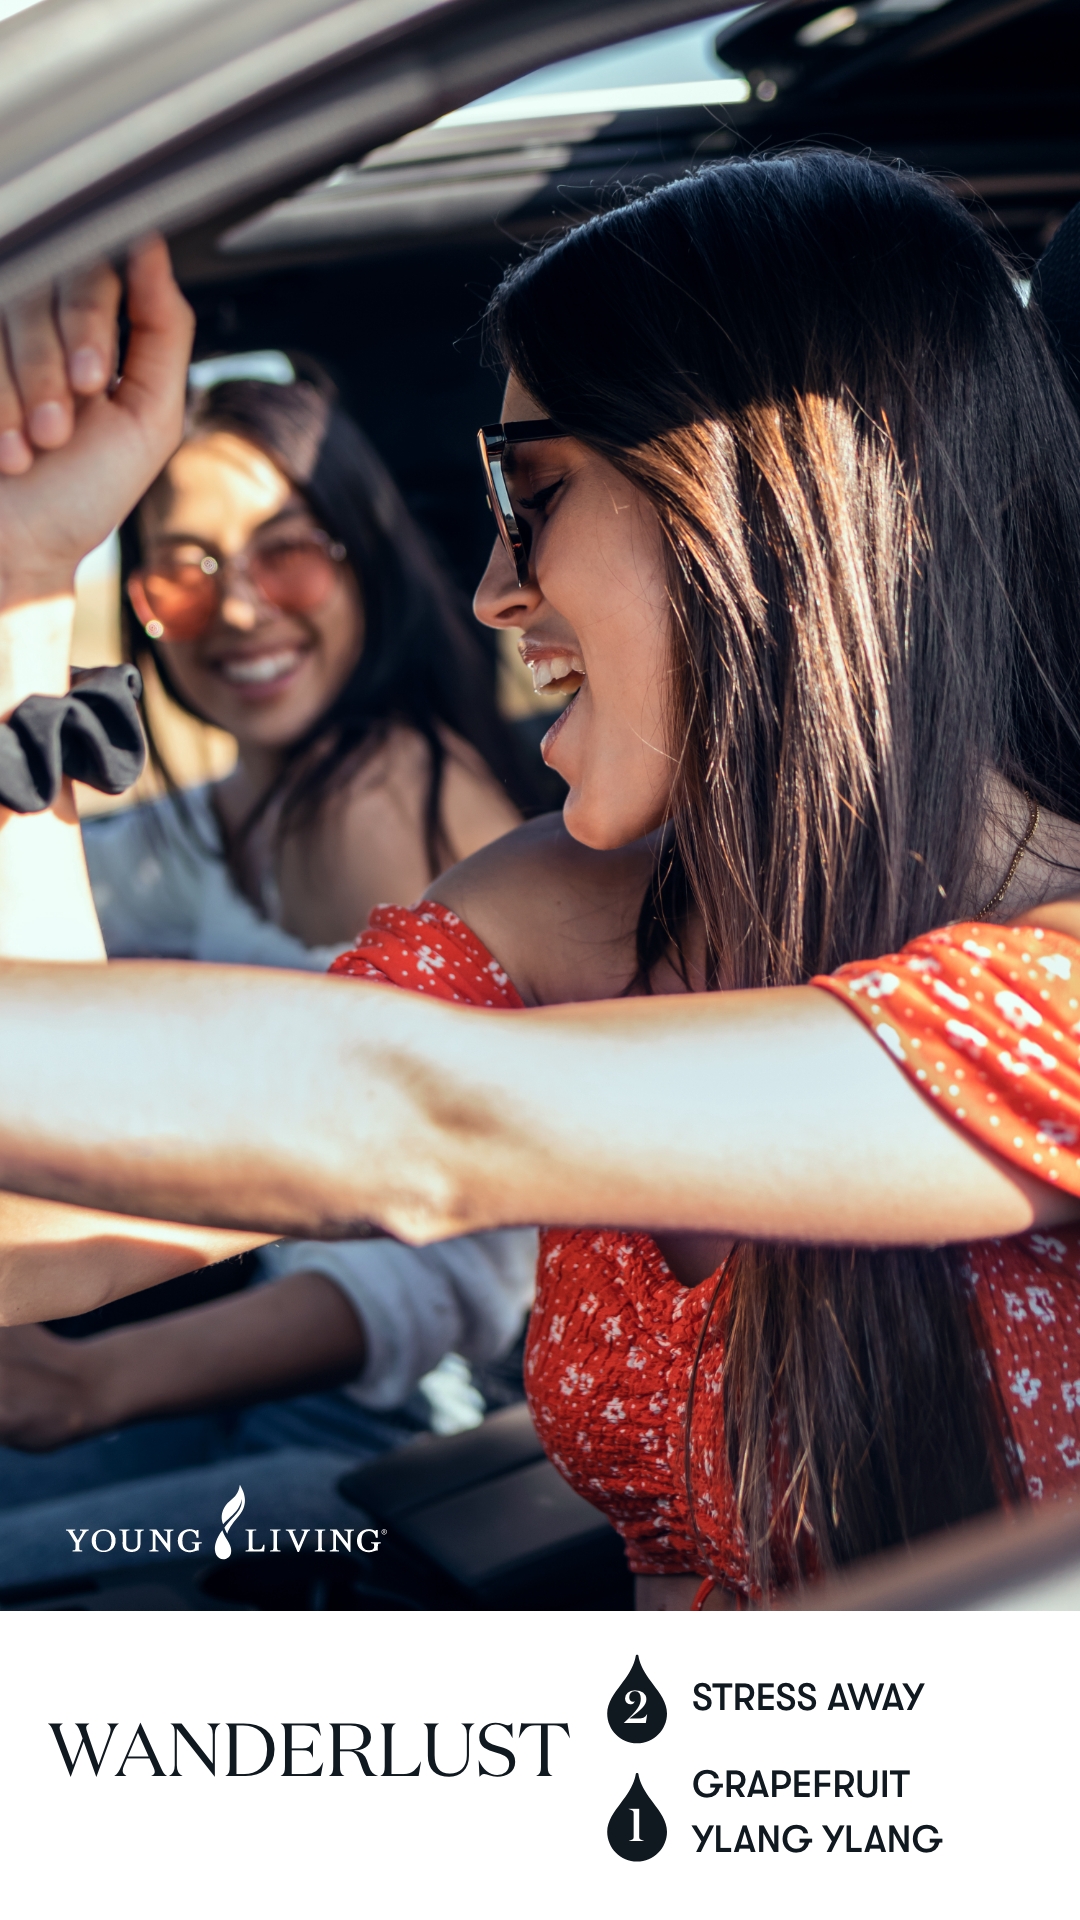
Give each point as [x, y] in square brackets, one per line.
[867, 473]
[421, 665]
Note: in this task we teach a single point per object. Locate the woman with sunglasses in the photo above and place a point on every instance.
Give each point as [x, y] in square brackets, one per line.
[278, 585]
[803, 530]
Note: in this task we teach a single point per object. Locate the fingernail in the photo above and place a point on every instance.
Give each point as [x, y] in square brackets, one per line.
[87, 369]
[15, 455]
[48, 424]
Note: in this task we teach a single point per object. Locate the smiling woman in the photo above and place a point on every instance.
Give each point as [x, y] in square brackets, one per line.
[279, 586]
[268, 540]
[609, 741]
[754, 529]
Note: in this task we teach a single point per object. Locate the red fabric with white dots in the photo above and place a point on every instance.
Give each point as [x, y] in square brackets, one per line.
[986, 1021]
[430, 950]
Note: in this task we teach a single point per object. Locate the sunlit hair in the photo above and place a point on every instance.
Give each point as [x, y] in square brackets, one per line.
[867, 473]
[422, 663]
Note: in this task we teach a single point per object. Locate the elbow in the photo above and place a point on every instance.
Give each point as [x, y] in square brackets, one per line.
[433, 1203]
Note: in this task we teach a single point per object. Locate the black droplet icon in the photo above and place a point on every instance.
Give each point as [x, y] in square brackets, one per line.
[637, 1829]
[637, 1710]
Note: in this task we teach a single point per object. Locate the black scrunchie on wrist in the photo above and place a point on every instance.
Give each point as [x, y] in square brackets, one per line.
[93, 734]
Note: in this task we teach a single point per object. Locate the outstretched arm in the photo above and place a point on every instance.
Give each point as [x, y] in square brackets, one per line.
[58, 1260]
[294, 1336]
[309, 1106]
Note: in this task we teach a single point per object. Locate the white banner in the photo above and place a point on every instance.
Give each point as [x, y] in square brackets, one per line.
[465, 1764]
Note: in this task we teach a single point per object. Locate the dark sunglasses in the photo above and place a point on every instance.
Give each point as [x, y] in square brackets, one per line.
[179, 592]
[494, 443]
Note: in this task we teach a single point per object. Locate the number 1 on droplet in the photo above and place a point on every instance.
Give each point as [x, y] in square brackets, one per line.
[636, 1833]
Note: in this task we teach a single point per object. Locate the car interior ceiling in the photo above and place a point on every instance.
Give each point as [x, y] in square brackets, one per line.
[183, 114]
[382, 270]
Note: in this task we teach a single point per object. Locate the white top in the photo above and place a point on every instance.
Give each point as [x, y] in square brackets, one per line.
[416, 1304]
[163, 890]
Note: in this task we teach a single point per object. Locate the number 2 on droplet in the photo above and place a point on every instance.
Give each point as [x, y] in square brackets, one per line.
[636, 1699]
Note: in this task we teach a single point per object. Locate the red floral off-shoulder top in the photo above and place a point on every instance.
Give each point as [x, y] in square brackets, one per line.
[986, 1021]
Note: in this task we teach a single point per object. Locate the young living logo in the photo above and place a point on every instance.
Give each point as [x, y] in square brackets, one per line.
[189, 1539]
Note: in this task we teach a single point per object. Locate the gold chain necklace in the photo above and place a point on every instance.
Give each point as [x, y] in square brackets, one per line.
[1021, 849]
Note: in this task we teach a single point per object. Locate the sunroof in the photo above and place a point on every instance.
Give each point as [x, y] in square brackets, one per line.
[677, 65]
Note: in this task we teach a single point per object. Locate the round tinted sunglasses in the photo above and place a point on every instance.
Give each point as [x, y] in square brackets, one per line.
[495, 443]
[178, 594]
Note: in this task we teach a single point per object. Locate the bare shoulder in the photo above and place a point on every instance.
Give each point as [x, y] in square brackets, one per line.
[394, 764]
[395, 778]
[1057, 916]
[558, 916]
[367, 841]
